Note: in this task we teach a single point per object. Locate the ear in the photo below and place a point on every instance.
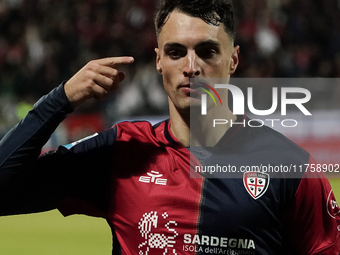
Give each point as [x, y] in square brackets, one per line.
[158, 59]
[234, 60]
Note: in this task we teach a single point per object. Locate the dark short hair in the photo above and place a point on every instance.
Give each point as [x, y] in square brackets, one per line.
[213, 12]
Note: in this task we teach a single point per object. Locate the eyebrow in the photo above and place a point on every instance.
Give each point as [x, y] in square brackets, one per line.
[200, 44]
[208, 43]
[173, 45]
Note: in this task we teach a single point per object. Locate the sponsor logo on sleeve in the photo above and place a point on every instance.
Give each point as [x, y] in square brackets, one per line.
[332, 206]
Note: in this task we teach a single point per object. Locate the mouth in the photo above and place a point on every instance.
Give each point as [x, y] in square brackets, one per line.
[191, 85]
[195, 89]
[189, 88]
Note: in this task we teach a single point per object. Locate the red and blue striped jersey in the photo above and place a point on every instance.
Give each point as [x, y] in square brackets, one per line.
[145, 184]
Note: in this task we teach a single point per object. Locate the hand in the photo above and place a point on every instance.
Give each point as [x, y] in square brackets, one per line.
[95, 80]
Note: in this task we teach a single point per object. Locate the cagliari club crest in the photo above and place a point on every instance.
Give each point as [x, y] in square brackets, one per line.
[256, 183]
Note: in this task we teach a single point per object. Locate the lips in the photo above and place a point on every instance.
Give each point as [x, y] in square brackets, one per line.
[189, 88]
[190, 85]
[186, 83]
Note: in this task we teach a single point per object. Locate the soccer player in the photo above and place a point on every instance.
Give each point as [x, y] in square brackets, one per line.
[137, 176]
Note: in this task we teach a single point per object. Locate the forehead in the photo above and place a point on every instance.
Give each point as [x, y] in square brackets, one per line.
[188, 30]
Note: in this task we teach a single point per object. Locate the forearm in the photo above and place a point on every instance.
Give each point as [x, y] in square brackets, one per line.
[23, 143]
[20, 149]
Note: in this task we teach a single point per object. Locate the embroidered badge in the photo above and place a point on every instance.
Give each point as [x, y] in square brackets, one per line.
[256, 183]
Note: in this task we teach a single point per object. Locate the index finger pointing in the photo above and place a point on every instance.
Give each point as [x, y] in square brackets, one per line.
[116, 61]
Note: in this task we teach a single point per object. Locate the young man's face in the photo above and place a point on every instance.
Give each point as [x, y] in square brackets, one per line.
[191, 48]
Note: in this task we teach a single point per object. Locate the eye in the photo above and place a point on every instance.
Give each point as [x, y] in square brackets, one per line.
[206, 53]
[175, 53]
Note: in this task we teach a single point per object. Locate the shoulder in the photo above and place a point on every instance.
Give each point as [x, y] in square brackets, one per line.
[286, 148]
[265, 141]
[140, 130]
[264, 149]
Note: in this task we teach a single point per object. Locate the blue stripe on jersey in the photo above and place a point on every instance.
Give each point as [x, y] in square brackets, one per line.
[70, 145]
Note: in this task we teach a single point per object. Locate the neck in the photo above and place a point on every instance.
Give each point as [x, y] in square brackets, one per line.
[199, 131]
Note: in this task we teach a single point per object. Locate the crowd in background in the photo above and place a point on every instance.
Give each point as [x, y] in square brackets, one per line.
[43, 42]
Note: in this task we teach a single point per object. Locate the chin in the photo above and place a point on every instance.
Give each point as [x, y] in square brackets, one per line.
[195, 102]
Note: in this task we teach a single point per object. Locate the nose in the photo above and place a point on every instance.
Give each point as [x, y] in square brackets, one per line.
[191, 67]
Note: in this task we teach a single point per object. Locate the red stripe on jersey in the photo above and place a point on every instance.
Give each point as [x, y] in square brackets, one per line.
[158, 201]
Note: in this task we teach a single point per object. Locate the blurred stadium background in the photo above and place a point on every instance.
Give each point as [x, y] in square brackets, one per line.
[43, 42]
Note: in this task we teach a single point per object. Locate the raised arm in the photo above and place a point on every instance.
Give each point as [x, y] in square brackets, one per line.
[29, 183]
